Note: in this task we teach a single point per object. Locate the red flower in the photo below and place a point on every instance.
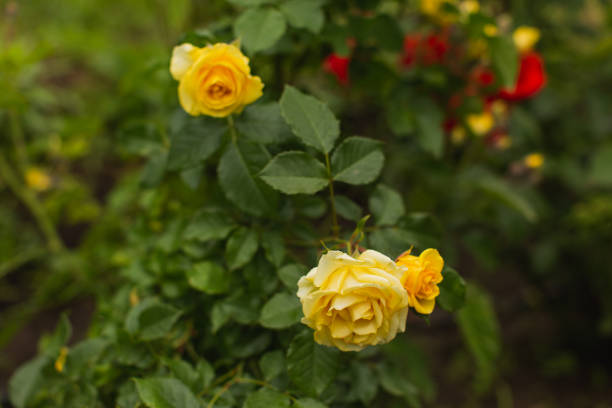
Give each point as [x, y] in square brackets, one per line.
[531, 78]
[486, 77]
[338, 66]
[411, 46]
[436, 47]
[429, 50]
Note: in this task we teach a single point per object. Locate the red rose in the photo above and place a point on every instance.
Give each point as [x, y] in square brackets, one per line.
[531, 78]
[338, 66]
[411, 46]
[436, 47]
[429, 50]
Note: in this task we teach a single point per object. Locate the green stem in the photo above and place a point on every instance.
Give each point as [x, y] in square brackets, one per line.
[29, 199]
[232, 128]
[332, 199]
[20, 146]
[19, 260]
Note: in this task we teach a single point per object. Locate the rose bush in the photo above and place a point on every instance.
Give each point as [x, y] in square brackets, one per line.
[193, 210]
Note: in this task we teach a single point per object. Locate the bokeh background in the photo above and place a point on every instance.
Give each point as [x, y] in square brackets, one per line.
[76, 76]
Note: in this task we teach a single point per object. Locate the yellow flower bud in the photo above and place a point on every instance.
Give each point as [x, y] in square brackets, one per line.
[61, 359]
[534, 160]
[421, 278]
[525, 38]
[37, 179]
[469, 7]
[215, 80]
[354, 301]
[480, 123]
[490, 30]
[458, 135]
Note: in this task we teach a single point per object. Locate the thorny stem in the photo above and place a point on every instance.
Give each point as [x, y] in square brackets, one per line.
[332, 199]
[236, 380]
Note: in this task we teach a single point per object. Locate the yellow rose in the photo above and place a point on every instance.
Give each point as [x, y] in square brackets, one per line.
[421, 278]
[534, 160]
[525, 38]
[480, 123]
[215, 80]
[354, 302]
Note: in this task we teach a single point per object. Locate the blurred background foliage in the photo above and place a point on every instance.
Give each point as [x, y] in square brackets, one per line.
[82, 79]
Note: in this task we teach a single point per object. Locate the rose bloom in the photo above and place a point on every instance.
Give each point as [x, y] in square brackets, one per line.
[531, 78]
[214, 80]
[421, 278]
[354, 302]
[338, 66]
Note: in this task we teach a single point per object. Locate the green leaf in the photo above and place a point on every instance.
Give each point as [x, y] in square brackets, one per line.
[452, 290]
[601, 167]
[295, 173]
[308, 403]
[192, 176]
[505, 59]
[26, 380]
[267, 398]
[240, 247]
[429, 127]
[250, 3]
[386, 205]
[84, 353]
[151, 319]
[290, 275]
[193, 140]
[272, 364]
[165, 393]
[504, 192]
[480, 330]
[310, 119]
[304, 14]
[259, 29]
[236, 176]
[208, 277]
[394, 382]
[153, 172]
[184, 372]
[347, 209]
[274, 246]
[311, 367]
[365, 383]
[281, 311]
[310, 206]
[209, 224]
[357, 160]
[263, 123]
[51, 346]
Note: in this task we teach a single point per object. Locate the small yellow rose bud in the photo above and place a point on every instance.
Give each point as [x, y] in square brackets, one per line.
[480, 123]
[468, 7]
[61, 359]
[458, 135]
[490, 30]
[215, 80]
[534, 160]
[525, 38]
[37, 179]
[354, 301]
[421, 278]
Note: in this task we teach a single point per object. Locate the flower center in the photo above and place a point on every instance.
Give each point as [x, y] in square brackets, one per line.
[218, 90]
